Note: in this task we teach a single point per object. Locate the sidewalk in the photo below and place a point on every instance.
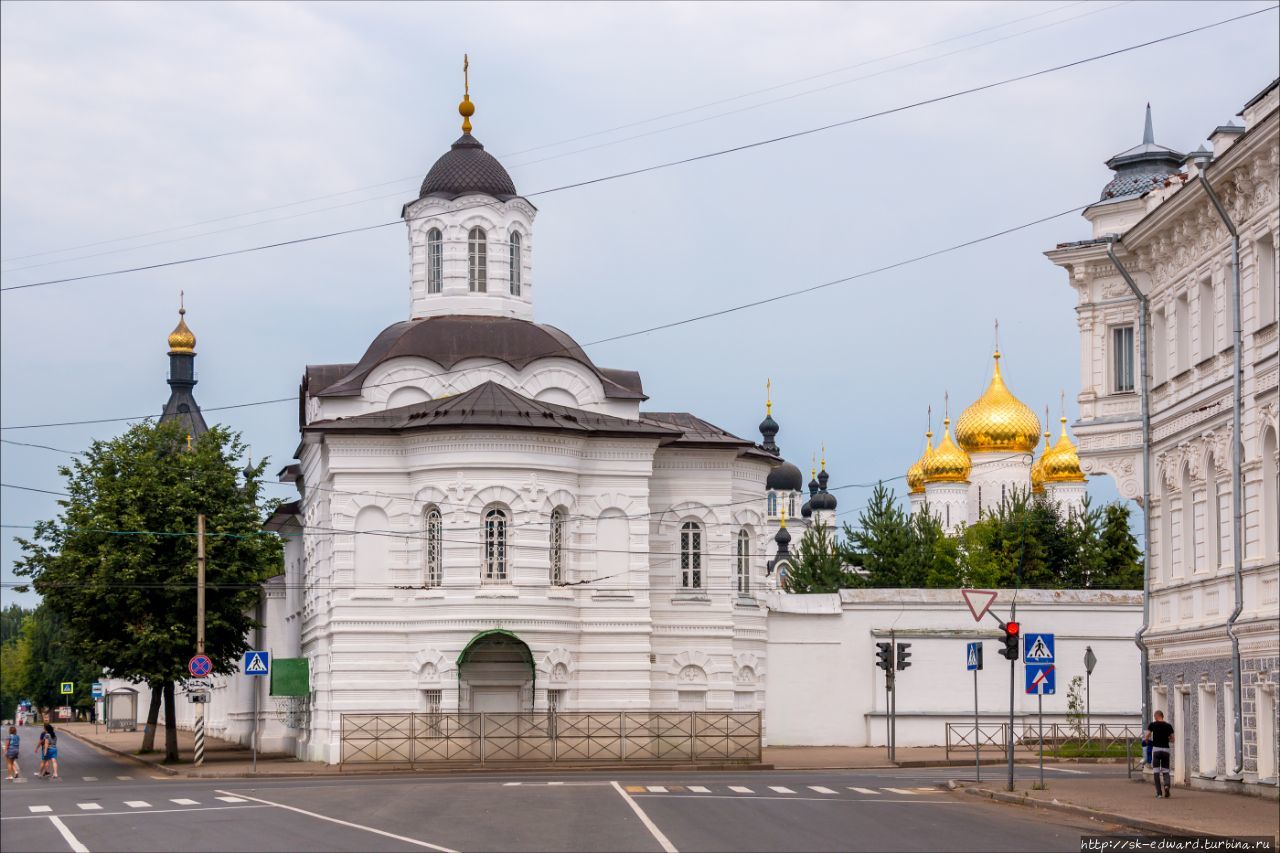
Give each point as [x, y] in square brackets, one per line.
[867, 757]
[1133, 803]
[221, 758]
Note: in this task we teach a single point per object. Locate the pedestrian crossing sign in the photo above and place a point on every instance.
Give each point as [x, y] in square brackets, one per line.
[68, 687]
[973, 657]
[257, 663]
[1039, 648]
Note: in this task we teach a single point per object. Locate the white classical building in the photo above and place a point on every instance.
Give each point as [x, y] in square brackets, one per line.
[1164, 229]
[991, 459]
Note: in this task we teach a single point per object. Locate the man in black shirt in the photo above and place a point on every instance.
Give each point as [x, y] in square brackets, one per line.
[1160, 734]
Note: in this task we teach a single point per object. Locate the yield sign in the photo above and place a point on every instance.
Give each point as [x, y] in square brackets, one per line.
[979, 601]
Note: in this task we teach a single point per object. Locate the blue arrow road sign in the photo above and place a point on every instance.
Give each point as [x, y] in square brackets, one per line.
[973, 656]
[1038, 648]
[1040, 679]
[257, 663]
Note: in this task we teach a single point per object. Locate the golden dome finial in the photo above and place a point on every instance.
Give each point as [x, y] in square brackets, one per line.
[768, 396]
[466, 109]
[182, 339]
[948, 463]
[915, 474]
[824, 456]
[1062, 463]
[998, 421]
[782, 514]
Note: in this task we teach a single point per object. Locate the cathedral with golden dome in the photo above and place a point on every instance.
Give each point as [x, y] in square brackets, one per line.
[991, 458]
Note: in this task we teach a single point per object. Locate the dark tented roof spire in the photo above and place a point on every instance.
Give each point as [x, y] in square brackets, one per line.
[1148, 134]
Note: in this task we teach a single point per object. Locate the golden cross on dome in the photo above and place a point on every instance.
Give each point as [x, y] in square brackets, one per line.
[768, 396]
[929, 431]
[997, 337]
[824, 456]
[783, 514]
[466, 109]
[188, 441]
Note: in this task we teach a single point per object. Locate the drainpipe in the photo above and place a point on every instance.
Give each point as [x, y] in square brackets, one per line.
[1144, 392]
[1237, 474]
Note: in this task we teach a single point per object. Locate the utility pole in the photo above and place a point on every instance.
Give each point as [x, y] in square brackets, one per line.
[199, 727]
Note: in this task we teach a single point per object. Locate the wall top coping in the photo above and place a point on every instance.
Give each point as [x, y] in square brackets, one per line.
[832, 603]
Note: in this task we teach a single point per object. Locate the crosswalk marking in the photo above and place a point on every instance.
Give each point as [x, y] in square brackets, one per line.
[88, 807]
[511, 784]
[231, 799]
[781, 789]
[901, 791]
[555, 783]
[91, 778]
[125, 778]
[698, 789]
[864, 790]
[738, 789]
[820, 789]
[40, 809]
[657, 789]
[636, 789]
[137, 804]
[183, 801]
[929, 790]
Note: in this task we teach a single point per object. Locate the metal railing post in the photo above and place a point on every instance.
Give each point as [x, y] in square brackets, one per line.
[692, 737]
[482, 727]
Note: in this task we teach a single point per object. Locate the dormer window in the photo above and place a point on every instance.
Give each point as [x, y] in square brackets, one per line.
[515, 263]
[435, 260]
[477, 249]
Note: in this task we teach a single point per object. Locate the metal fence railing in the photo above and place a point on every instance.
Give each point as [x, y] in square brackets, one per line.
[576, 736]
[1060, 740]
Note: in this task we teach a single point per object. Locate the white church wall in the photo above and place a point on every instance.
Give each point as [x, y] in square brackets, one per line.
[824, 646]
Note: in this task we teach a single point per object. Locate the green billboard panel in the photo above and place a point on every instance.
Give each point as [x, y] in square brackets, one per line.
[290, 677]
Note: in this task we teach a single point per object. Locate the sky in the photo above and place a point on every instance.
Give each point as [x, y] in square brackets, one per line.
[134, 134]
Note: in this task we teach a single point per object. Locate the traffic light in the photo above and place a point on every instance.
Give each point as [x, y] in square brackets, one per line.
[884, 656]
[1012, 636]
[904, 655]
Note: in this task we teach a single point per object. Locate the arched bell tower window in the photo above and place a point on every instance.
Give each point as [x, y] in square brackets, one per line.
[557, 546]
[515, 263]
[495, 545]
[435, 260]
[691, 555]
[433, 525]
[773, 504]
[477, 249]
[744, 562]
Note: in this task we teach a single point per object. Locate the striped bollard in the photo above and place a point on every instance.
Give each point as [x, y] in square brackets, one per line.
[199, 732]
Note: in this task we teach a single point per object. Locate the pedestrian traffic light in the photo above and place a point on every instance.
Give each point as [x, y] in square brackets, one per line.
[884, 656]
[904, 655]
[1012, 636]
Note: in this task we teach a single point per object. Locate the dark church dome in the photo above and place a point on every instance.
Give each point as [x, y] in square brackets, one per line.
[467, 168]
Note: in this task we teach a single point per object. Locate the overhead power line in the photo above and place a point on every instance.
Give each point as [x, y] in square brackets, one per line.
[678, 162]
[543, 146]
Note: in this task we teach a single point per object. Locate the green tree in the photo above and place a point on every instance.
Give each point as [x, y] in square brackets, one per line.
[818, 564]
[13, 674]
[934, 557]
[49, 662]
[881, 543]
[1119, 558]
[118, 563]
[11, 619]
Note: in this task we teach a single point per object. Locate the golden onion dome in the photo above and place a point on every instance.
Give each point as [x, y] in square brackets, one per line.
[1037, 467]
[1062, 463]
[947, 463]
[182, 339]
[998, 421]
[915, 474]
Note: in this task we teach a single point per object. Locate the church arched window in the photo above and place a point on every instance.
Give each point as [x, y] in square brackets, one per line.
[433, 528]
[477, 261]
[435, 260]
[744, 562]
[558, 516]
[691, 555]
[515, 262]
[495, 545]
[773, 504]
[791, 506]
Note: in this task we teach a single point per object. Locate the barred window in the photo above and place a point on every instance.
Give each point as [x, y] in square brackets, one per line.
[495, 545]
[744, 562]
[691, 555]
[1122, 359]
[515, 263]
[557, 546]
[435, 260]
[477, 251]
[433, 529]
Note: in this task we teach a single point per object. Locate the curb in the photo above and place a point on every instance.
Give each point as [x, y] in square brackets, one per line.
[100, 747]
[1160, 827]
[502, 771]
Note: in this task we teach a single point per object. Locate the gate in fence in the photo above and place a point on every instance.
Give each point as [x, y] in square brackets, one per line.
[586, 736]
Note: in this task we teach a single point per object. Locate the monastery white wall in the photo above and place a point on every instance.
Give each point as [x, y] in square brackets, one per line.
[825, 690]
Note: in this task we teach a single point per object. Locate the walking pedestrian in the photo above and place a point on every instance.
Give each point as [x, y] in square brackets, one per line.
[48, 749]
[12, 745]
[1160, 734]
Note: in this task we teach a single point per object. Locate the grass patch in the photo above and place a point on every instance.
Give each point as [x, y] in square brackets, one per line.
[1091, 750]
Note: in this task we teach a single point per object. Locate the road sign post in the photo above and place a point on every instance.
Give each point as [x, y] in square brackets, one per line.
[1039, 655]
[200, 569]
[973, 662]
[256, 663]
[1090, 661]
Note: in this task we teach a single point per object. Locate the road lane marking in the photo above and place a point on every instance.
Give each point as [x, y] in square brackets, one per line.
[1065, 770]
[77, 815]
[740, 790]
[89, 807]
[231, 799]
[820, 789]
[913, 801]
[555, 783]
[657, 789]
[137, 804]
[864, 790]
[183, 801]
[511, 784]
[636, 789]
[125, 778]
[698, 789]
[318, 816]
[901, 791]
[662, 840]
[39, 809]
[91, 778]
[67, 836]
[929, 790]
[781, 789]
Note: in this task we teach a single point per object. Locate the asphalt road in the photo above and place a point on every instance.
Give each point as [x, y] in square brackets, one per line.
[102, 804]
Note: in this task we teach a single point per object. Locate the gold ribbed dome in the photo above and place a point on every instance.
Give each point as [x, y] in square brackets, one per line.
[915, 474]
[182, 339]
[998, 421]
[947, 463]
[1062, 463]
[1037, 467]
